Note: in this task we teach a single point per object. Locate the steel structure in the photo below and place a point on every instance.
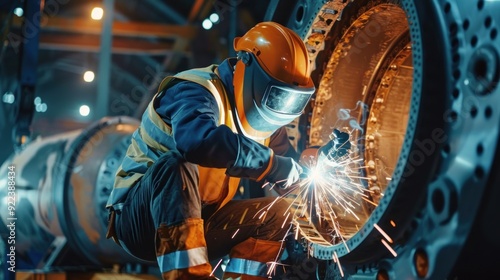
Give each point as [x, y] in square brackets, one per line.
[415, 83]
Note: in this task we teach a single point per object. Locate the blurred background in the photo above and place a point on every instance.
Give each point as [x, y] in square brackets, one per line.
[92, 53]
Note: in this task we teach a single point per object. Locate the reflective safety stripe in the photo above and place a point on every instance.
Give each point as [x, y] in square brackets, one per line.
[248, 267]
[182, 259]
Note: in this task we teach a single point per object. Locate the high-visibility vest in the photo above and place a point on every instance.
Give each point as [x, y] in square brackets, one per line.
[215, 186]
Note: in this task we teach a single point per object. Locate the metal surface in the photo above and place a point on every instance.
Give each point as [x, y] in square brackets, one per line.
[427, 73]
[62, 185]
[416, 85]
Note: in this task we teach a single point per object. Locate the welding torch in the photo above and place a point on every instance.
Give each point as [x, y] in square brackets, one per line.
[337, 147]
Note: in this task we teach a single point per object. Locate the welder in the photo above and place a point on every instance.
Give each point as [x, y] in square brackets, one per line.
[204, 131]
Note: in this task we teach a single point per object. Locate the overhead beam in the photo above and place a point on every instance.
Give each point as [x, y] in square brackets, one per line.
[195, 10]
[91, 43]
[125, 29]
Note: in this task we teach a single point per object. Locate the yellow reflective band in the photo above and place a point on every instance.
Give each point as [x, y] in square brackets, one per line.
[248, 267]
[182, 259]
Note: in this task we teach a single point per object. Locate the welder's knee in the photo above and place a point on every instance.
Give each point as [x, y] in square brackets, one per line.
[277, 220]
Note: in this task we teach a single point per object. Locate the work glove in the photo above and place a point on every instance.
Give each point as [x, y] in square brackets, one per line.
[285, 171]
[337, 147]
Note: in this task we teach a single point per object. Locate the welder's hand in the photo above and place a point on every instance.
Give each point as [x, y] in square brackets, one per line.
[285, 171]
[337, 147]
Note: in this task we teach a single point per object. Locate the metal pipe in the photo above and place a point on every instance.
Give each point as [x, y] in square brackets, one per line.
[62, 184]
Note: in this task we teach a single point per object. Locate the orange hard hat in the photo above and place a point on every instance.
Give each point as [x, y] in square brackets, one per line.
[272, 79]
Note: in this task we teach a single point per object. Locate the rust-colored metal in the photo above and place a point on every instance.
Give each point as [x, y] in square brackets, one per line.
[364, 90]
[91, 43]
[125, 29]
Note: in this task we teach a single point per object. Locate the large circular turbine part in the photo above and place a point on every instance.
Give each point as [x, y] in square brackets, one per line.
[414, 83]
[62, 185]
[365, 86]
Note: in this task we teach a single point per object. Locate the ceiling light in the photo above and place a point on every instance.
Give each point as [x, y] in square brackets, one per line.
[88, 76]
[9, 97]
[207, 24]
[84, 110]
[97, 13]
[18, 12]
[214, 18]
[42, 107]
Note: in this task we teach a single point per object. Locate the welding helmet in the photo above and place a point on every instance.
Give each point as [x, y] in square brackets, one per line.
[272, 82]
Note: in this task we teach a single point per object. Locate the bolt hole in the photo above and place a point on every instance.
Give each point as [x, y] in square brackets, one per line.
[447, 7]
[455, 93]
[483, 72]
[465, 24]
[438, 200]
[446, 149]
[473, 41]
[479, 149]
[473, 112]
[456, 74]
[488, 112]
[480, 68]
[106, 190]
[453, 116]
[480, 4]
[493, 34]
[487, 22]
[300, 14]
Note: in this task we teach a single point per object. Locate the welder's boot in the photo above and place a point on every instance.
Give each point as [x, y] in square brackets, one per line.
[182, 252]
[253, 259]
